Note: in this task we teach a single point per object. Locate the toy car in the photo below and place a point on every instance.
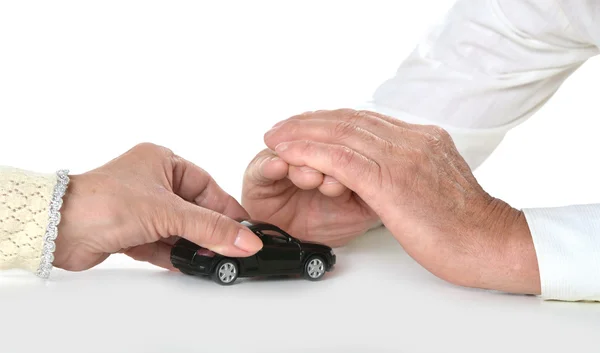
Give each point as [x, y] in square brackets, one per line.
[281, 254]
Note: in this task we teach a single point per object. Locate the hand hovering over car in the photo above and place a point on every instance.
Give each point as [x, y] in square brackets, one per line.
[138, 203]
[411, 177]
[303, 201]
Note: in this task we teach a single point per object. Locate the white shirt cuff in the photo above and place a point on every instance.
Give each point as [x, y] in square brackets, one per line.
[567, 244]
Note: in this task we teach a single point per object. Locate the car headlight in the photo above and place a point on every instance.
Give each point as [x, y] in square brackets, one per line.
[331, 252]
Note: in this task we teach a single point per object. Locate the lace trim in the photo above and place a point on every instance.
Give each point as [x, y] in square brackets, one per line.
[54, 219]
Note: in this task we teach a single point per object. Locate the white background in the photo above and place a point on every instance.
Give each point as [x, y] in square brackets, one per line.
[81, 82]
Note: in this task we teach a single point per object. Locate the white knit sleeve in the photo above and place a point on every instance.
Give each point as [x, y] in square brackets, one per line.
[29, 215]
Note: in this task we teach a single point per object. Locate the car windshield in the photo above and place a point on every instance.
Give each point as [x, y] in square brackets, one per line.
[274, 233]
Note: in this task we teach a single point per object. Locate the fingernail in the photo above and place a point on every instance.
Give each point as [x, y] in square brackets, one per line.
[267, 161]
[330, 180]
[308, 170]
[281, 147]
[247, 241]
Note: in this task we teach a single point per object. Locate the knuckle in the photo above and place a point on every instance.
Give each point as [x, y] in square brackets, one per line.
[343, 157]
[215, 229]
[305, 147]
[308, 113]
[438, 132]
[149, 147]
[435, 137]
[432, 140]
[357, 116]
[344, 111]
[144, 146]
[443, 132]
[389, 148]
[343, 129]
[168, 217]
[175, 161]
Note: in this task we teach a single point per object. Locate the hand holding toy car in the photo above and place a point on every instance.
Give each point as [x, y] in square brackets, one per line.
[138, 202]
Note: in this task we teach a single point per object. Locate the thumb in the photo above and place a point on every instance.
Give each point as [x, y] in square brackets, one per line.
[213, 231]
[265, 169]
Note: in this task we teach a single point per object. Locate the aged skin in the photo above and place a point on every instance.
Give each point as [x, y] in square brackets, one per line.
[138, 203]
[331, 174]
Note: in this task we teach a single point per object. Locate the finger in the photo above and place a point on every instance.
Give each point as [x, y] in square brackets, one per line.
[194, 184]
[331, 132]
[331, 187]
[381, 124]
[384, 126]
[157, 253]
[211, 230]
[305, 178]
[374, 119]
[265, 169]
[346, 165]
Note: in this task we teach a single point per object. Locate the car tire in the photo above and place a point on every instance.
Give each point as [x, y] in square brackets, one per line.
[226, 272]
[314, 268]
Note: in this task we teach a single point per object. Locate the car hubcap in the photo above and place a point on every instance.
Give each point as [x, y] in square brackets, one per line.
[316, 268]
[227, 272]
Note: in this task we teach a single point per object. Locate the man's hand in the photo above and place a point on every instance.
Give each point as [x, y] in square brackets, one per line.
[304, 202]
[139, 203]
[415, 180]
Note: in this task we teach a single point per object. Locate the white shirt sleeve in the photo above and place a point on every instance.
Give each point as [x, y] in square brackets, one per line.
[486, 68]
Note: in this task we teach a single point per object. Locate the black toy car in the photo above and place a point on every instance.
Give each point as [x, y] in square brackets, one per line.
[281, 254]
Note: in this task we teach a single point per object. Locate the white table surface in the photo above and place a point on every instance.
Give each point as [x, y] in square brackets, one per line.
[139, 64]
[377, 300]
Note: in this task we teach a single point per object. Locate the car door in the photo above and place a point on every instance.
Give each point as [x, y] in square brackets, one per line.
[278, 255]
[203, 260]
[183, 252]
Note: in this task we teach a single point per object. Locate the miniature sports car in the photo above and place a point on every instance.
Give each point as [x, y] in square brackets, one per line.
[281, 254]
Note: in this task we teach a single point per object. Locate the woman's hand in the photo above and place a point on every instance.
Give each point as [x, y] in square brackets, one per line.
[139, 203]
[415, 180]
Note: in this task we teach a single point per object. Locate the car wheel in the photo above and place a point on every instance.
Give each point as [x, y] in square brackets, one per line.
[226, 272]
[314, 268]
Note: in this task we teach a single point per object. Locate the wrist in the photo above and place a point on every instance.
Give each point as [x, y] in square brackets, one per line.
[506, 260]
[77, 214]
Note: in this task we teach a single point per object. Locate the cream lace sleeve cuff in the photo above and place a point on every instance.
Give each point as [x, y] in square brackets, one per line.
[29, 215]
